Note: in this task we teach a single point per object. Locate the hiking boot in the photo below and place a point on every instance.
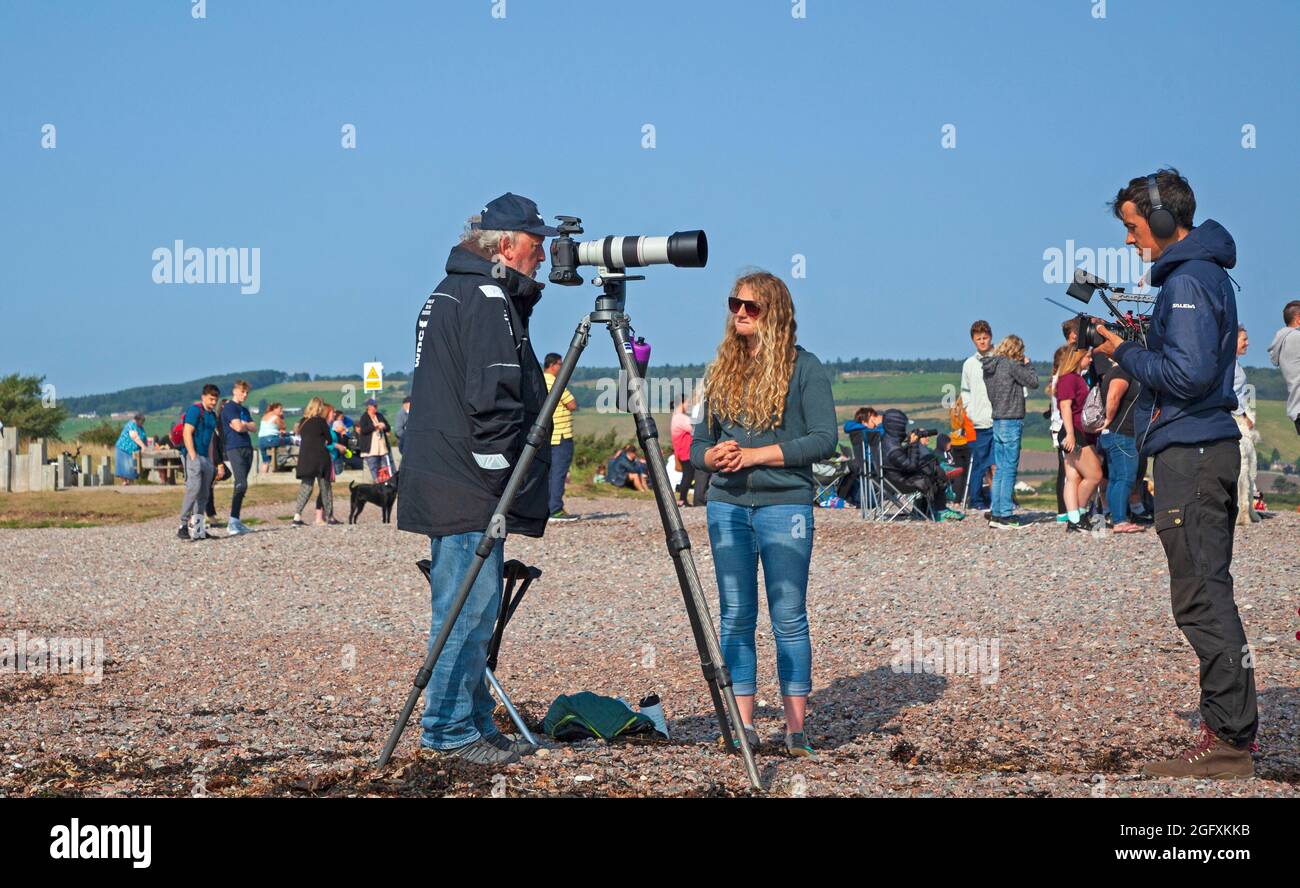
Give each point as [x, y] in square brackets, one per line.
[1210, 758]
[483, 752]
[519, 746]
[797, 746]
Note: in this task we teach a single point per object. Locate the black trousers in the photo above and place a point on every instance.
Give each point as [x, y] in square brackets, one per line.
[1196, 507]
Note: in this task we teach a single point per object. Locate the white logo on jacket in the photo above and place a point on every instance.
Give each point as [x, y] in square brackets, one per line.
[1183, 305]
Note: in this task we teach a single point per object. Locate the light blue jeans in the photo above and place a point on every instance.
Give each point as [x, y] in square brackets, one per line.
[1121, 469]
[1006, 460]
[458, 707]
[782, 537]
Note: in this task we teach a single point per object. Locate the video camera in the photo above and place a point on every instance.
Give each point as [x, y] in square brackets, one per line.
[1128, 326]
[684, 249]
[918, 434]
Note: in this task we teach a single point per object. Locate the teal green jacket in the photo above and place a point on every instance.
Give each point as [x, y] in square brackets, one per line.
[807, 434]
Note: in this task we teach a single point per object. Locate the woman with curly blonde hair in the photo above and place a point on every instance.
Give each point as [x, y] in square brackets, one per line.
[768, 417]
[1007, 374]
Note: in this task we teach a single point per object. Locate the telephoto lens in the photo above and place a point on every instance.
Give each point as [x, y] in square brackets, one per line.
[684, 249]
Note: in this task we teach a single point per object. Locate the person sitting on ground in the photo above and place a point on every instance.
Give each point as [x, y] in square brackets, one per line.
[910, 465]
[625, 469]
[129, 443]
[271, 433]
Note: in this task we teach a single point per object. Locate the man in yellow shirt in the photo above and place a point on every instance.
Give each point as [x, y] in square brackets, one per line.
[561, 439]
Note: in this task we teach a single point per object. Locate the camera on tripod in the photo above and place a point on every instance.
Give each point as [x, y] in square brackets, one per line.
[1128, 325]
[684, 249]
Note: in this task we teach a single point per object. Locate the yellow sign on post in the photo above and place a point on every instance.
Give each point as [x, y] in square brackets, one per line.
[373, 376]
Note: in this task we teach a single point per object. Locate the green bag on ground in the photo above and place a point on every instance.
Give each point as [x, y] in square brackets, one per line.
[584, 715]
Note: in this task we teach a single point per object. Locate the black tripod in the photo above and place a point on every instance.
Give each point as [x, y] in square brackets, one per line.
[608, 311]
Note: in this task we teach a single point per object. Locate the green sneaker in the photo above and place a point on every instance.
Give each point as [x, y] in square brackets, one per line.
[950, 515]
[797, 746]
[562, 515]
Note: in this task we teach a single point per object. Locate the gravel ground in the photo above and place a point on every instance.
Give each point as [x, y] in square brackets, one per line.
[274, 664]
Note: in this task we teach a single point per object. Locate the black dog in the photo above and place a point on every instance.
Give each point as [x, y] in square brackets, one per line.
[382, 495]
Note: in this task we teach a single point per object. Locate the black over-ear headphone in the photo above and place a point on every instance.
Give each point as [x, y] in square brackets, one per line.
[1162, 221]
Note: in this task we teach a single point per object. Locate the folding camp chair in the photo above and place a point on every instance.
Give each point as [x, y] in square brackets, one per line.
[513, 571]
[827, 475]
[881, 499]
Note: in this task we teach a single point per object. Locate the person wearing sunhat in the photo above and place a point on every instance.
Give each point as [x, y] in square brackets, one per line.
[476, 390]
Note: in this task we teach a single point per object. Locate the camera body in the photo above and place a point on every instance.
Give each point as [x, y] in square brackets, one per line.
[1128, 325]
[924, 433]
[684, 249]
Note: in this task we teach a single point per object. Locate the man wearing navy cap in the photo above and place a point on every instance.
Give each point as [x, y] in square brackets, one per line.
[476, 390]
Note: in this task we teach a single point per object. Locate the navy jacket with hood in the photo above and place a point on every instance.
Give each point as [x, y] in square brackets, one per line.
[1187, 368]
[899, 456]
[476, 391]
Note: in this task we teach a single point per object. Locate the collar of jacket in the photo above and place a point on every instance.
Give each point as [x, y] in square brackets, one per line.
[523, 291]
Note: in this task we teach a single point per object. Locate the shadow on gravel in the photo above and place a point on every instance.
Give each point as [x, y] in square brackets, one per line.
[1279, 712]
[850, 708]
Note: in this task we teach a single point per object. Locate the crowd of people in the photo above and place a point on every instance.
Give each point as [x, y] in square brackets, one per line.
[766, 416]
[216, 439]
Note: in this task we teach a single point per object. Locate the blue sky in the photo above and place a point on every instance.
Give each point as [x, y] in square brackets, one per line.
[779, 136]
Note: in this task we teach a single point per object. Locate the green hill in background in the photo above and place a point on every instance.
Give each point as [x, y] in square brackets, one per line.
[920, 387]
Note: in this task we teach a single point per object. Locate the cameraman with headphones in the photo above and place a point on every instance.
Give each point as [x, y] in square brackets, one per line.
[1183, 418]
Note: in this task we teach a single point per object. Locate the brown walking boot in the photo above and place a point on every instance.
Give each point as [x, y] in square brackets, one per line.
[1211, 758]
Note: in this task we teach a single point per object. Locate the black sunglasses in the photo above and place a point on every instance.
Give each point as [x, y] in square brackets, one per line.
[753, 309]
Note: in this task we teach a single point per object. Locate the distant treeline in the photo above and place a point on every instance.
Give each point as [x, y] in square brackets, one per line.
[1268, 382]
[152, 398]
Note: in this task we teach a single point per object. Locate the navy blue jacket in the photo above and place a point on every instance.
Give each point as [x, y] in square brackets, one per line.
[1186, 370]
[476, 391]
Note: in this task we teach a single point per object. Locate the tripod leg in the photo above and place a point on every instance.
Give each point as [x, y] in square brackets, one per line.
[510, 708]
[679, 547]
[540, 433]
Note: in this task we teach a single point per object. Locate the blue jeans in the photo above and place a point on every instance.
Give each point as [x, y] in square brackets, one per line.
[561, 459]
[782, 536]
[1006, 459]
[981, 457]
[1121, 469]
[458, 707]
[266, 442]
[374, 464]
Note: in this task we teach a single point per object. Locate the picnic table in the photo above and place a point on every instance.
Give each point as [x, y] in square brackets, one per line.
[166, 461]
[283, 458]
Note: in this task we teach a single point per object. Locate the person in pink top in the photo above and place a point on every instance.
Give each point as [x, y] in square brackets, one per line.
[680, 430]
[1082, 465]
